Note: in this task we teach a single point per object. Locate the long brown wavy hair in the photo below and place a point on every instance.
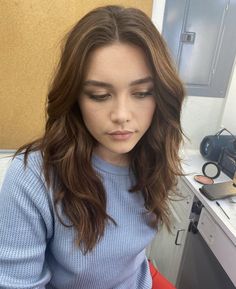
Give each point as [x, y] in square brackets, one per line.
[67, 146]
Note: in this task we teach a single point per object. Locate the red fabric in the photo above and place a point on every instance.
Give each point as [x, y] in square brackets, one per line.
[158, 280]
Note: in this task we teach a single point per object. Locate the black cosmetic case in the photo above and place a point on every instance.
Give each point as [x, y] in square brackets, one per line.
[222, 150]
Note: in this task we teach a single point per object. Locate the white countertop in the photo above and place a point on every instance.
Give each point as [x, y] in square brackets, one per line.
[5, 160]
[192, 165]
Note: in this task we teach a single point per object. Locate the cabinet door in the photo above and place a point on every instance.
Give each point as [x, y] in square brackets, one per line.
[167, 247]
[182, 203]
[199, 35]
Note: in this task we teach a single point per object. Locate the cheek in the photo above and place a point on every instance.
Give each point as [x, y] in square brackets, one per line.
[87, 110]
[90, 121]
[146, 112]
[151, 109]
[93, 118]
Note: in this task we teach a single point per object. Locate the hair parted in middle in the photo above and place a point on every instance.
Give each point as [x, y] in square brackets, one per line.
[67, 146]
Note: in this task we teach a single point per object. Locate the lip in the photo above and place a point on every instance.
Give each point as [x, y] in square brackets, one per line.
[121, 134]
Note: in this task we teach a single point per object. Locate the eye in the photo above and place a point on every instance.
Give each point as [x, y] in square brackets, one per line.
[97, 97]
[142, 94]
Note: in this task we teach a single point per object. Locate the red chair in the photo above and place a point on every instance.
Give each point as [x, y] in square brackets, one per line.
[158, 280]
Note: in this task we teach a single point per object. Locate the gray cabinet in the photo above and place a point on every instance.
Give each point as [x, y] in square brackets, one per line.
[201, 36]
[204, 263]
[188, 258]
[166, 250]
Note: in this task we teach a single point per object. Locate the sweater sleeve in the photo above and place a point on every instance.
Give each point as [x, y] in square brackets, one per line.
[26, 225]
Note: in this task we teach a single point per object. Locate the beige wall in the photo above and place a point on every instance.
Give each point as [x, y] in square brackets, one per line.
[30, 33]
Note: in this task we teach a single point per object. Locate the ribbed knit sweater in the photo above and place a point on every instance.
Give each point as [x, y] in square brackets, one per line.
[37, 251]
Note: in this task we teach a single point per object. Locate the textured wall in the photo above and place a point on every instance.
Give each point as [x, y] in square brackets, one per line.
[30, 33]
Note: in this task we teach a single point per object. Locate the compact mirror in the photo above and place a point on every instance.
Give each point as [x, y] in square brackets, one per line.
[210, 171]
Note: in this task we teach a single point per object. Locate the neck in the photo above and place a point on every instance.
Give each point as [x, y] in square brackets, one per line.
[121, 160]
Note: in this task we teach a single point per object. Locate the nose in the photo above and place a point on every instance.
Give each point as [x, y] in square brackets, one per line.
[120, 112]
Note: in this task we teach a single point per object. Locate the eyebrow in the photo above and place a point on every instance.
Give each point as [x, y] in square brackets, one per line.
[108, 85]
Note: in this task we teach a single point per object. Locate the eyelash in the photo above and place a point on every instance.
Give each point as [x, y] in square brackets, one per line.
[103, 97]
[143, 94]
[98, 97]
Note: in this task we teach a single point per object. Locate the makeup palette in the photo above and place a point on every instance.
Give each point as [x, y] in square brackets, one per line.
[203, 180]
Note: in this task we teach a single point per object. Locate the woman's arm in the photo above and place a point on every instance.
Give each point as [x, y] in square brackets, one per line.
[26, 223]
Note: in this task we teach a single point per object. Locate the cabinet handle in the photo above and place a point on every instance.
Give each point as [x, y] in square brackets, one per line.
[188, 37]
[177, 236]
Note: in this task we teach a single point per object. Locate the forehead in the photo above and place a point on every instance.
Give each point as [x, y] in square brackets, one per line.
[117, 62]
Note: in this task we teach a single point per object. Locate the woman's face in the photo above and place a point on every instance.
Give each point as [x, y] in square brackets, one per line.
[117, 101]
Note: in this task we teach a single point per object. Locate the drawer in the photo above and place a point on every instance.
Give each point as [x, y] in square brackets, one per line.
[183, 203]
[219, 243]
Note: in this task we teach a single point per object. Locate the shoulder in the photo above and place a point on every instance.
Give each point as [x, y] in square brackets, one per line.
[34, 162]
[28, 170]
[25, 202]
[25, 180]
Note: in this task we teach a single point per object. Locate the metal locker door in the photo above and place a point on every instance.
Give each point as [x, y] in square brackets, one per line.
[202, 39]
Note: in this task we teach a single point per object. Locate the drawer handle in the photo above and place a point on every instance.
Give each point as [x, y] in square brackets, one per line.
[177, 236]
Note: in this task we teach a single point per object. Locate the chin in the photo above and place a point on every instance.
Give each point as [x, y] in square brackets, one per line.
[124, 150]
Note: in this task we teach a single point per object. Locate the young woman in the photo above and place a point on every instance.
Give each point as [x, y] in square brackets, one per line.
[79, 206]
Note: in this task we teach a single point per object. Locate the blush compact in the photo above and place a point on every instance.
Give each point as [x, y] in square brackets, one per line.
[203, 180]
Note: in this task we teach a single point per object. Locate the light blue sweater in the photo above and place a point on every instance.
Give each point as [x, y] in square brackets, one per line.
[37, 251]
